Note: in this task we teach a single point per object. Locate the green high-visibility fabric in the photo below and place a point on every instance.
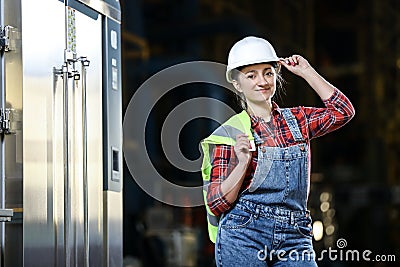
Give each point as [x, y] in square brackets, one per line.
[223, 135]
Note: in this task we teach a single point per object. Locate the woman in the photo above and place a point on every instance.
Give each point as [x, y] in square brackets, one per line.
[257, 195]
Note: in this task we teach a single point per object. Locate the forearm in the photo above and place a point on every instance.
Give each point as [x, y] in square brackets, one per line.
[337, 112]
[338, 109]
[230, 187]
[322, 87]
[229, 169]
[223, 191]
[300, 66]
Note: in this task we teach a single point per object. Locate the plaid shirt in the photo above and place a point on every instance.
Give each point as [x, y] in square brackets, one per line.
[313, 122]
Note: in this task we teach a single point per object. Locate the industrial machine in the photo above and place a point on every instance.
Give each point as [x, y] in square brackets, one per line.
[61, 133]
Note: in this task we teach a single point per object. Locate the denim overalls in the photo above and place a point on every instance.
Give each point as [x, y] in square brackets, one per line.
[270, 225]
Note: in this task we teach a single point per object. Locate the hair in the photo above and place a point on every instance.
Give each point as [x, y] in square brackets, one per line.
[241, 99]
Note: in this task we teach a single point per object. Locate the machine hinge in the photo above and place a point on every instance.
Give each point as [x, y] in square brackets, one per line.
[6, 215]
[6, 34]
[9, 121]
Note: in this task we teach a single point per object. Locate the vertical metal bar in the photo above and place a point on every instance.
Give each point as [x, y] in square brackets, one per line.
[85, 176]
[2, 160]
[3, 171]
[67, 188]
[56, 74]
[74, 197]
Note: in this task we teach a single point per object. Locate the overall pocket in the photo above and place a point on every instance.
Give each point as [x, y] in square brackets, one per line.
[304, 227]
[236, 219]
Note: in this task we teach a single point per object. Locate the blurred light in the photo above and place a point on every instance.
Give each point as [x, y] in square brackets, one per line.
[325, 196]
[324, 206]
[318, 230]
[331, 213]
[330, 230]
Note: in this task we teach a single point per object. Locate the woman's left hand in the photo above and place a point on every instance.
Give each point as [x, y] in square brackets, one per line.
[296, 64]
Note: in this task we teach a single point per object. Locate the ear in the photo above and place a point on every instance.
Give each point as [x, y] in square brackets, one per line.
[237, 86]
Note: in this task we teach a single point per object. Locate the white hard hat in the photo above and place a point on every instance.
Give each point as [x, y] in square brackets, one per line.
[249, 50]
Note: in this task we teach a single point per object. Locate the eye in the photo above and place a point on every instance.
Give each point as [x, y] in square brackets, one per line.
[269, 74]
[250, 76]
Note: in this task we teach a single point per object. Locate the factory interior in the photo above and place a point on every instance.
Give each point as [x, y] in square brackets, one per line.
[355, 179]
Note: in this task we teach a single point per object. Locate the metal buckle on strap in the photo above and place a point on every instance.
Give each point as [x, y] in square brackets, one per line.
[292, 221]
[257, 213]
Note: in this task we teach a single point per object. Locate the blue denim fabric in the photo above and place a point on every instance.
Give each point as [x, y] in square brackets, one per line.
[281, 177]
[257, 235]
[270, 225]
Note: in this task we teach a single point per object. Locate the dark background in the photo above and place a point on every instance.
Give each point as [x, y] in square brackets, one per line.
[353, 44]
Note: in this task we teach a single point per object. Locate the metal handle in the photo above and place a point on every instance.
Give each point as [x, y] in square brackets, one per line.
[66, 157]
[75, 75]
[85, 63]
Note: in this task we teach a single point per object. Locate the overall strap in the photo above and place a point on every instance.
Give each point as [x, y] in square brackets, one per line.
[292, 123]
[257, 139]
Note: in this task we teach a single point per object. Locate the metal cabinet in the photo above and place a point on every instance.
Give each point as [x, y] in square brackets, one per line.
[61, 124]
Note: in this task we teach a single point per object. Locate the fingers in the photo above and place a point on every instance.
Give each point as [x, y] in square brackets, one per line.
[243, 142]
[291, 61]
[242, 148]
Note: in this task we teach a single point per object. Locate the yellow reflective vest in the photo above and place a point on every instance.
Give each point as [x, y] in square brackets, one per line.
[223, 135]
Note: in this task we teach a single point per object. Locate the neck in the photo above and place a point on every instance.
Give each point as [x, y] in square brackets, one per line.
[262, 111]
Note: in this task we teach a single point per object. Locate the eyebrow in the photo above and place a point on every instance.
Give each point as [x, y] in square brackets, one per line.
[269, 68]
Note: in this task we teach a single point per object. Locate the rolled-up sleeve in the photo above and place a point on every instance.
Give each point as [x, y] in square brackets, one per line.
[337, 112]
[223, 158]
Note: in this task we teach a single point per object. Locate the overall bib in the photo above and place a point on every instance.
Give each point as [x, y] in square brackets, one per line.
[270, 224]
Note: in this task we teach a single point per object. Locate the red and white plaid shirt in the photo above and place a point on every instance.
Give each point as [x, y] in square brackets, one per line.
[313, 122]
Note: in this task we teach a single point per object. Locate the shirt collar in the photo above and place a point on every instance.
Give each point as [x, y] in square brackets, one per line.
[275, 108]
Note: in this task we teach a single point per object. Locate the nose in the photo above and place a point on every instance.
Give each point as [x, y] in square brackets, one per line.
[261, 80]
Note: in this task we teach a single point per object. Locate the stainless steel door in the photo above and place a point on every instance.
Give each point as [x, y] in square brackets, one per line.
[63, 194]
[62, 164]
[43, 194]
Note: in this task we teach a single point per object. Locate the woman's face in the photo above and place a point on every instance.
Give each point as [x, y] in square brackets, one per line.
[257, 82]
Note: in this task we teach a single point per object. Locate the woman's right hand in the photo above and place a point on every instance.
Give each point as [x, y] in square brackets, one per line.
[242, 149]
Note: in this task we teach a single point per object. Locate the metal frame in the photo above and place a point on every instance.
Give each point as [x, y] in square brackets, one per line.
[105, 8]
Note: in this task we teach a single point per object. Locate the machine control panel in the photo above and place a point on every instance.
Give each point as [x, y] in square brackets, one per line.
[112, 103]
